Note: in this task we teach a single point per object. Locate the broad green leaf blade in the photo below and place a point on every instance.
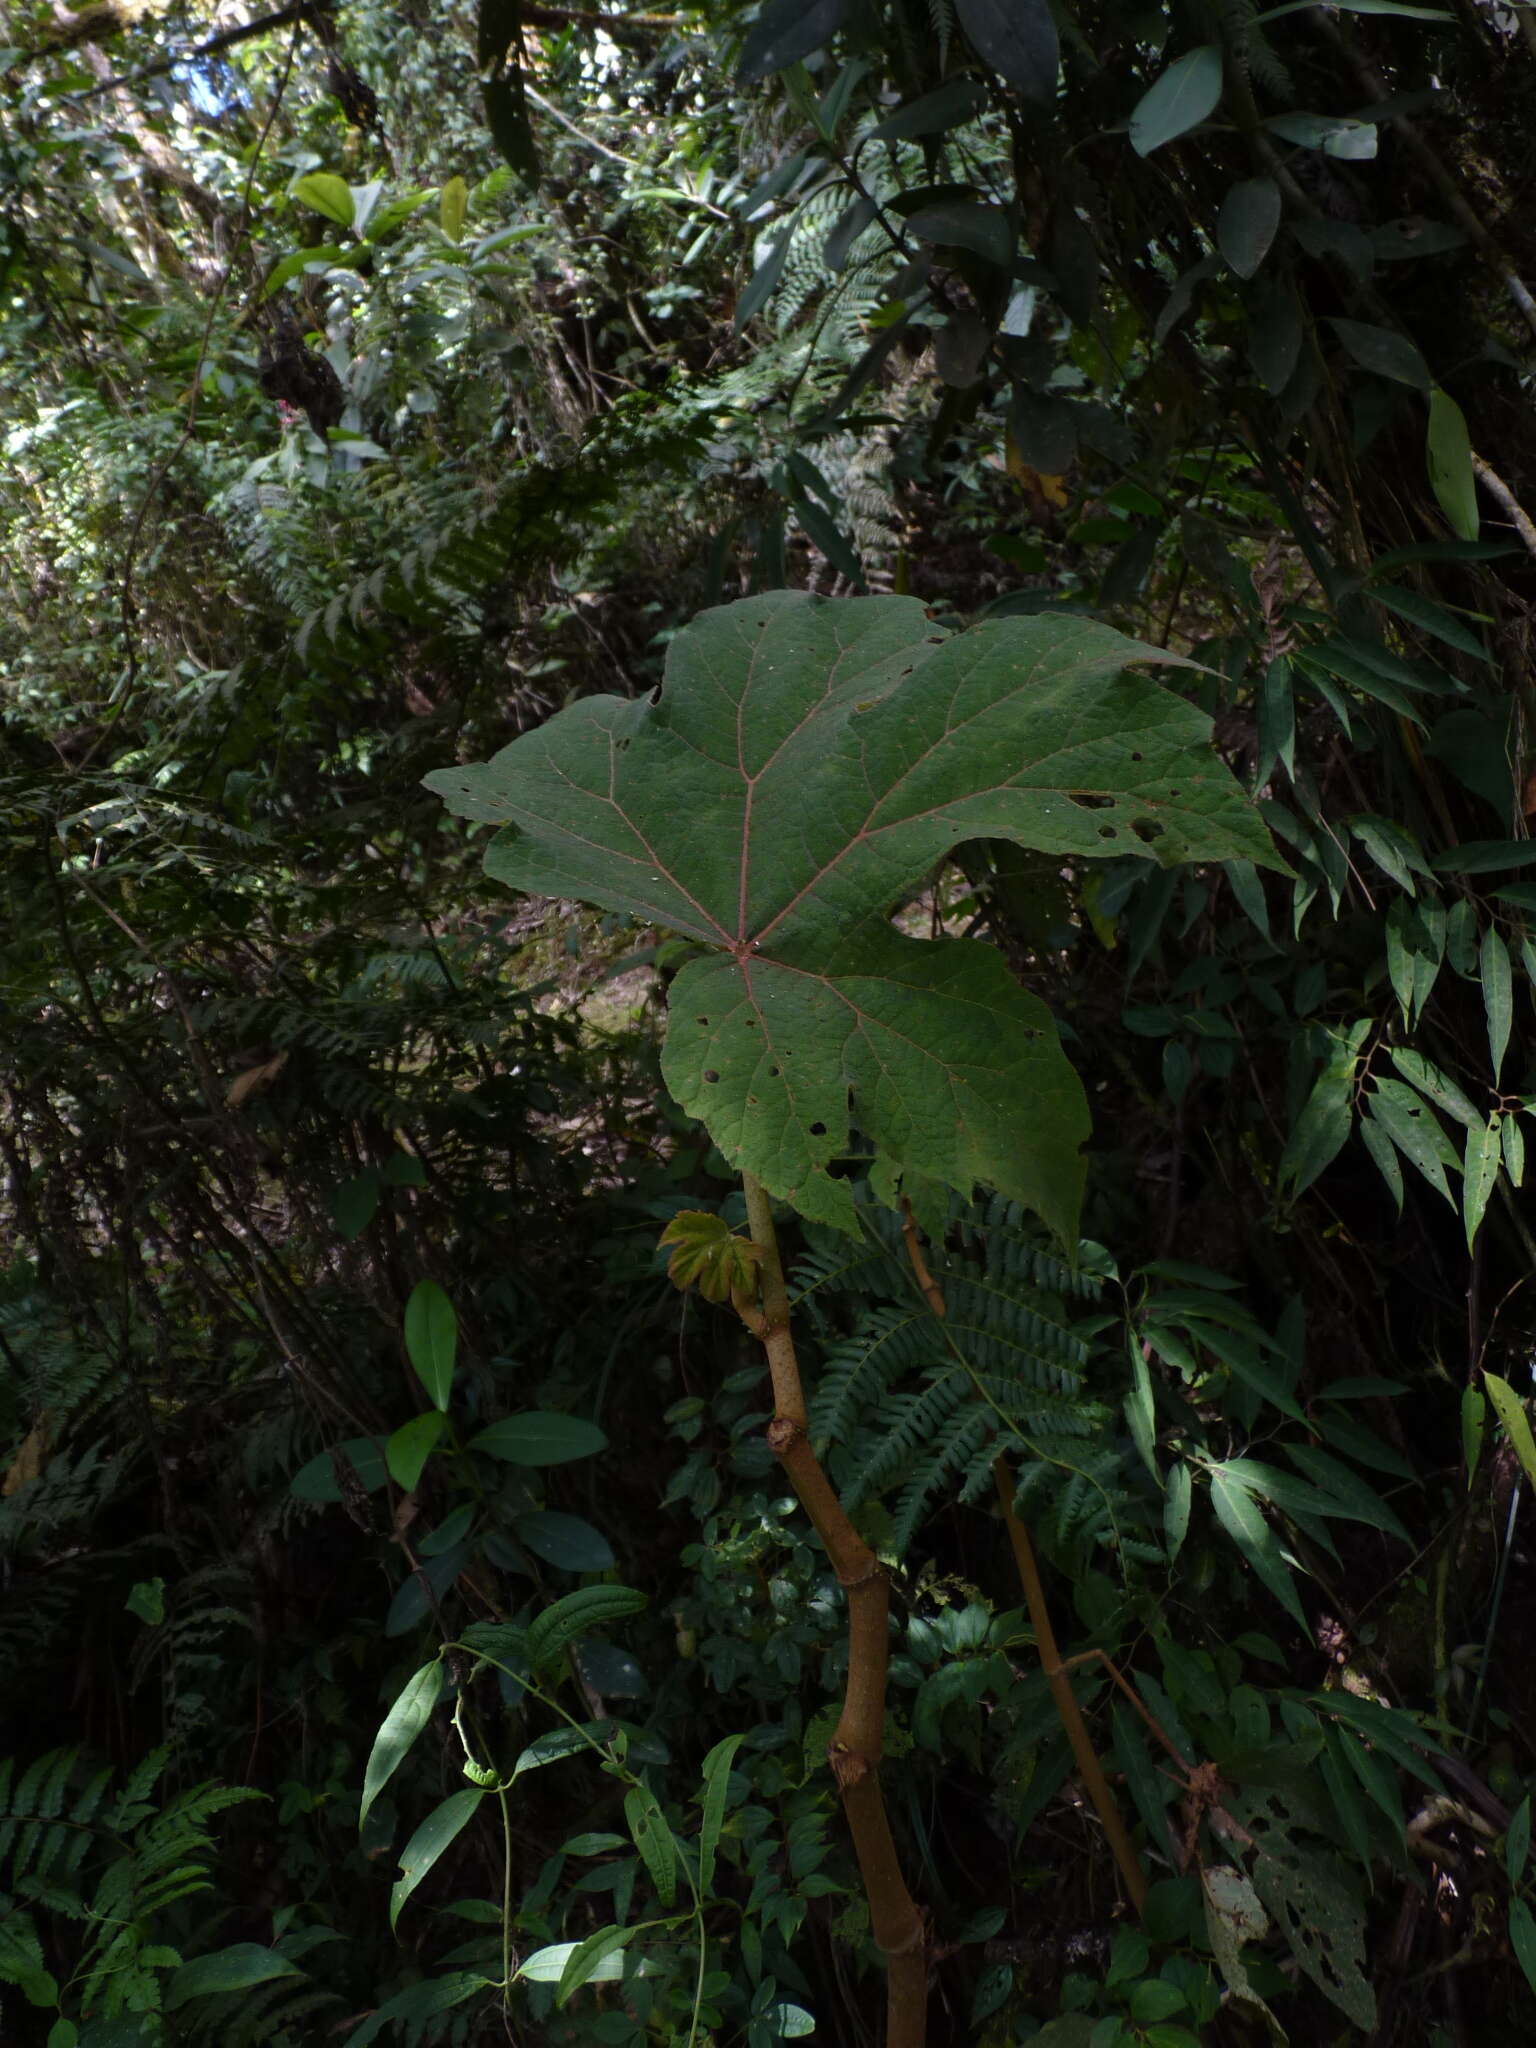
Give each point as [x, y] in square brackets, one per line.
[1510, 1409]
[588, 1608]
[965, 224]
[1498, 996]
[1180, 100]
[436, 1834]
[587, 1957]
[717, 1778]
[547, 1965]
[431, 1339]
[806, 764]
[784, 32]
[951, 106]
[953, 1069]
[1448, 453]
[321, 257]
[540, 1438]
[1384, 352]
[564, 1540]
[1246, 225]
[1480, 1170]
[237, 1968]
[327, 194]
[317, 1480]
[401, 1726]
[411, 1446]
[1018, 39]
[1240, 1515]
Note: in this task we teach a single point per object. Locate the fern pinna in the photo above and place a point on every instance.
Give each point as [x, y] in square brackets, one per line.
[110, 1863]
[910, 1404]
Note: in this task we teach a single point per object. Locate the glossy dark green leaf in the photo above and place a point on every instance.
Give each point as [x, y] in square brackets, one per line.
[590, 1607]
[566, 1541]
[355, 1203]
[1247, 224]
[1018, 39]
[1186, 94]
[540, 1438]
[986, 231]
[786, 31]
[1384, 352]
[317, 1481]
[954, 103]
[240, 1967]
[431, 1339]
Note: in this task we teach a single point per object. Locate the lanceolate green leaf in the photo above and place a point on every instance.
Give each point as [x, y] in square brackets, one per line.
[805, 766]
[1498, 996]
[436, 1833]
[1480, 1171]
[1243, 1519]
[402, 1724]
[717, 1778]
[1448, 450]
[1510, 1409]
[431, 1338]
[653, 1838]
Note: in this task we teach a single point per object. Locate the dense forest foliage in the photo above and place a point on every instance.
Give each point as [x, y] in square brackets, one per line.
[521, 1520]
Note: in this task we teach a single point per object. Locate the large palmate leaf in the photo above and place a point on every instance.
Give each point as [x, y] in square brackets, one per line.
[805, 764]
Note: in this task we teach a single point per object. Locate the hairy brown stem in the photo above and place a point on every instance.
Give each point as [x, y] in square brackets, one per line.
[854, 1751]
[1061, 1692]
